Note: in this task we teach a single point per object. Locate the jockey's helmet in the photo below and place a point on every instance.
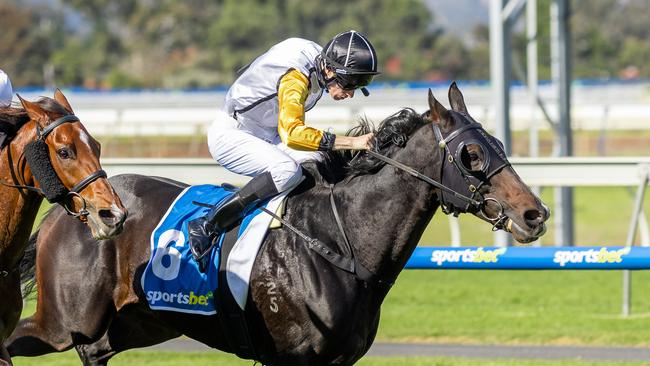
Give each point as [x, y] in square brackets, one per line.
[353, 58]
[6, 91]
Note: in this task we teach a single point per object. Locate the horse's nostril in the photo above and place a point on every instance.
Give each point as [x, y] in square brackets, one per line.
[533, 218]
[108, 217]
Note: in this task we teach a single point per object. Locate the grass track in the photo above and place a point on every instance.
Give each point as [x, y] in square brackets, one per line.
[154, 358]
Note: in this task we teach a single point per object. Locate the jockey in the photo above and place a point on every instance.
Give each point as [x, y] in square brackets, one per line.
[261, 131]
[6, 91]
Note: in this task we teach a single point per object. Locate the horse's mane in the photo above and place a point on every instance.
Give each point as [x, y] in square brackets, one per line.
[12, 119]
[392, 134]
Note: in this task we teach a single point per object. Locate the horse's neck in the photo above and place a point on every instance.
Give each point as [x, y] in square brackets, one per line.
[18, 208]
[386, 213]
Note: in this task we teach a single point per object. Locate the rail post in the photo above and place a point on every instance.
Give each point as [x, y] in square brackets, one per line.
[631, 233]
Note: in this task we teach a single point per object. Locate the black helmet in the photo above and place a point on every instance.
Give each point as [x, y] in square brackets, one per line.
[352, 58]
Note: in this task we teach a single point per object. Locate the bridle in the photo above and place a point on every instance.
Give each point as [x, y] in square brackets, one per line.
[468, 197]
[54, 190]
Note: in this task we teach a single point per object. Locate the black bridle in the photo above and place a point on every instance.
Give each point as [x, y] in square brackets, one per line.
[456, 174]
[460, 186]
[46, 172]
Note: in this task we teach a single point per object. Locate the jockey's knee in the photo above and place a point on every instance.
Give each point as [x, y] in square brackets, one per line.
[286, 175]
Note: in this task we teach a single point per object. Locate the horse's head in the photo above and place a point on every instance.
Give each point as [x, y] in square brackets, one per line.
[63, 159]
[476, 168]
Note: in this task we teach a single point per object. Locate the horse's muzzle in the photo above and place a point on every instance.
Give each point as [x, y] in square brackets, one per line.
[108, 222]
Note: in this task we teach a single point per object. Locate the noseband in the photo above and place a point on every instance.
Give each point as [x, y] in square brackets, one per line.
[38, 158]
[453, 174]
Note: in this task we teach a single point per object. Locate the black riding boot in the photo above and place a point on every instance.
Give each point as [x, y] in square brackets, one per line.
[223, 217]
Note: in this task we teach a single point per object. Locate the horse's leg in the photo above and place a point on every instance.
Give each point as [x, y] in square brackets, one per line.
[49, 331]
[5, 360]
[133, 327]
[69, 311]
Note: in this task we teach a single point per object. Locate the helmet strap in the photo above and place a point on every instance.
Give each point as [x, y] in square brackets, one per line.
[323, 80]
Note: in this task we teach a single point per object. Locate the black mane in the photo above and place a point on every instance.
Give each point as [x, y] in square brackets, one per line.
[392, 134]
[13, 119]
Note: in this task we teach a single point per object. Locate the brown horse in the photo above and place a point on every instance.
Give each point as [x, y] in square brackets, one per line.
[311, 302]
[46, 152]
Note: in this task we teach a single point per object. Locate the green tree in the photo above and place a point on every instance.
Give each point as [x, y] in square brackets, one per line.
[27, 40]
[399, 29]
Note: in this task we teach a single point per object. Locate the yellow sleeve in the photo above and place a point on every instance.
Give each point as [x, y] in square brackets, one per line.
[292, 94]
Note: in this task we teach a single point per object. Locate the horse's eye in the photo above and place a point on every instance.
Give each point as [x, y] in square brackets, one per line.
[473, 156]
[64, 153]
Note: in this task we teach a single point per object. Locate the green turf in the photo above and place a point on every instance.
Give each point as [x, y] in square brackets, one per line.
[516, 307]
[157, 358]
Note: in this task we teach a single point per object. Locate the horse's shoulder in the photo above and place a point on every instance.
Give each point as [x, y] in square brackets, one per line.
[142, 187]
[147, 180]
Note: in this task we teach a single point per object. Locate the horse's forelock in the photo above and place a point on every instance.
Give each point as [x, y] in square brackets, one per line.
[14, 118]
[52, 106]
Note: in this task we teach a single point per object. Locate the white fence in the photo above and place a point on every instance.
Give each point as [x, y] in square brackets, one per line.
[571, 171]
[605, 107]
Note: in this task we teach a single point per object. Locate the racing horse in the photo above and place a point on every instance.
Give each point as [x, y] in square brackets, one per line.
[305, 306]
[46, 152]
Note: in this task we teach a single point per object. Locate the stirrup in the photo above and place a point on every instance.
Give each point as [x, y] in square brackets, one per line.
[213, 241]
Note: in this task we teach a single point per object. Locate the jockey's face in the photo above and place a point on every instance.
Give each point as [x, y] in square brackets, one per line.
[335, 90]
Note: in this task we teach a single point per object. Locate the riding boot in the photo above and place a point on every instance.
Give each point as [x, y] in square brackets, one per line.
[203, 230]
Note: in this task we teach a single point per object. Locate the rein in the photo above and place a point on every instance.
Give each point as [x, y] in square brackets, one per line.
[423, 177]
[349, 264]
[75, 191]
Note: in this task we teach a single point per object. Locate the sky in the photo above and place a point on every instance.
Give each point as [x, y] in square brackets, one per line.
[459, 17]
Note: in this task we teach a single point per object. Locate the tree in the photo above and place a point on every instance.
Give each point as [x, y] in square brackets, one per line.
[27, 41]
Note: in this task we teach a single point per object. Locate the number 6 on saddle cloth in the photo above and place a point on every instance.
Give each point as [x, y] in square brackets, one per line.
[174, 280]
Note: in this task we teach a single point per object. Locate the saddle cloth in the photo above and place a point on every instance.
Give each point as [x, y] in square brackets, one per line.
[172, 280]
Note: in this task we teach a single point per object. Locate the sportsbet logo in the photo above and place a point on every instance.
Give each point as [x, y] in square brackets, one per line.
[179, 298]
[562, 257]
[478, 255]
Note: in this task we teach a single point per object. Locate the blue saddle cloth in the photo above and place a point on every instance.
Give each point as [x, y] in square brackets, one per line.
[172, 279]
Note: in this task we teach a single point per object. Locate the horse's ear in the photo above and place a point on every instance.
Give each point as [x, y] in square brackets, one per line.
[456, 99]
[59, 97]
[437, 112]
[34, 111]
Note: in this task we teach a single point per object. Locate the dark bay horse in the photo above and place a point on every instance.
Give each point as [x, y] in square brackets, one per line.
[46, 152]
[301, 309]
